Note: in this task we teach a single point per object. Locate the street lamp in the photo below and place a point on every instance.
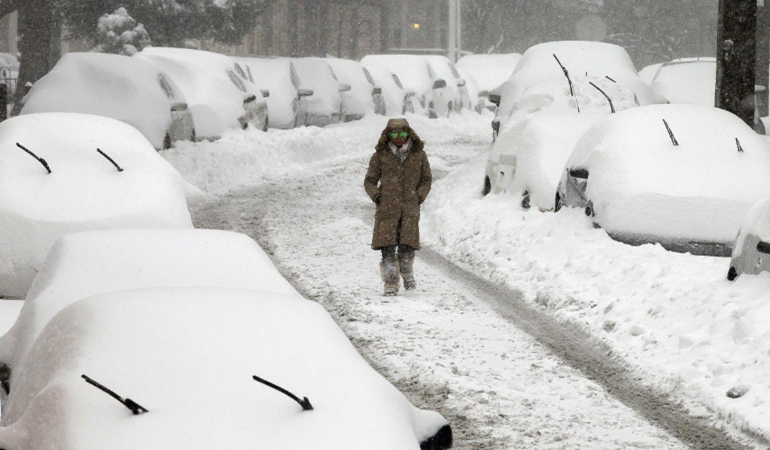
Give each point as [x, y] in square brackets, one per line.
[455, 29]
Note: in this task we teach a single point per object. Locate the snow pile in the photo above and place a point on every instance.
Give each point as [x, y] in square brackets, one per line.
[83, 192]
[541, 146]
[641, 184]
[691, 82]
[82, 265]
[489, 71]
[245, 158]
[358, 101]
[277, 75]
[286, 340]
[755, 223]
[120, 87]
[317, 75]
[673, 316]
[214, 90]
[592, 60]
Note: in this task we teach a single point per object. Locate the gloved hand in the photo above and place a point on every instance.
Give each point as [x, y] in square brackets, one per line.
[377, 198]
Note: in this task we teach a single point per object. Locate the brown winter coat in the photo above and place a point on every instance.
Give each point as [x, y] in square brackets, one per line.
[402, 187]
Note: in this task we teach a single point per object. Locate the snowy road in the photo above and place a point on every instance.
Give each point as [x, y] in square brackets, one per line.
[505, 375]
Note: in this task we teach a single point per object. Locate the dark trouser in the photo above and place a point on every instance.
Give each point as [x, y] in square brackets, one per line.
[405, 253]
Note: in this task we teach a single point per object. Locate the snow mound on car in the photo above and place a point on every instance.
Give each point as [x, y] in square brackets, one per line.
[83, 192]
[114, 86]
[700, 189]
[198, 385]
[81, 265]
[489, 71]
[756, 223]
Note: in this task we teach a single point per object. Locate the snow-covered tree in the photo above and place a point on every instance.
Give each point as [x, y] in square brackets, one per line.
[119, 33]
[169, 22]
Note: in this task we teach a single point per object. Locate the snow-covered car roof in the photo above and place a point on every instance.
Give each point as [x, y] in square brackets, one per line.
[84, 190]
[700, 189]
[214, 87]
[352, 73]
[188, 357]
[541, 146]
[489, 71]
[81, 265]
[443, 69]
[124, 88]
[317, 74]
[278, 76]
[691, 82]
[392, 91]
[596, 60]
[412, 70]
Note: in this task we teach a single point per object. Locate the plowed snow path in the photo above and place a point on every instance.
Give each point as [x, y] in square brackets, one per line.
[443, 345]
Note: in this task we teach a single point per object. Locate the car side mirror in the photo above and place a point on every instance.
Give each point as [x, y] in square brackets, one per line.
[179, 106]
[410, 92]
[249, 99]
[304, 92]
[344, 87]
[377, 91]
[461, 82]
[483, 94]
[438, 84]
[495, 98]
[265, 92]
[579, 173]
[763, 247]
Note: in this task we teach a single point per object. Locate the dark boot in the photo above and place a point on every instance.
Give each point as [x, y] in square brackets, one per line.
[406, 267]
[389, 272]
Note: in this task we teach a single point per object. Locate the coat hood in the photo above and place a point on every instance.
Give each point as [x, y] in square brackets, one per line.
[398, 124]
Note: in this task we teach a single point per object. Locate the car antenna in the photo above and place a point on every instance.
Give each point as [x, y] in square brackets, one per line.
[740, 149]
[110, 159]
[612, 108]
[304, 403]
[569, 80]
[670, 133]
[135, 408]
[39, 159]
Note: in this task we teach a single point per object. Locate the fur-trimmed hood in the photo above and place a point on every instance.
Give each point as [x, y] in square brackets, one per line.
[398, 124]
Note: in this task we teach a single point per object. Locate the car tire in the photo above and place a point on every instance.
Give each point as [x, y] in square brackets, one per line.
[193, 136]
[589, 209]
[267, 122]
[167, 142]
[732, 274]
[557, 204]
[449, 109]
[487, 187]
[526, 201]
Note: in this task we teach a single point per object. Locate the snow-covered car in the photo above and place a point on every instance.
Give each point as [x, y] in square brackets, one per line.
[82, 172]
[572, 67]
[326, 106]
[127, 89]
[9, 72]
[287, 101]
[397, 100]
[435, 97]
[485, 73]
[206, 368]
[85, 264]
[683, 176]
[751, 252]
[363, 97]
[217, 89]
[688, 81]
[445, 70]
[530, 157]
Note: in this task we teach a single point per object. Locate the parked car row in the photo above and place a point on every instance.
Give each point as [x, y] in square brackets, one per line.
[138, 331]
[579, 128]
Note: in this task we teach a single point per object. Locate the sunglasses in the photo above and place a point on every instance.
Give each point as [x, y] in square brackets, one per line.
[397, 134]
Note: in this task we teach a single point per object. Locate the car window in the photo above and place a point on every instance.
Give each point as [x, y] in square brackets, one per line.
[398, 82]
[294, 77]
[236, 81]
[369, 77]
[166, 87]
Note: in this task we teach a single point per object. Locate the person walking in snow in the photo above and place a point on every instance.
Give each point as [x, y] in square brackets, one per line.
[398, 180]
